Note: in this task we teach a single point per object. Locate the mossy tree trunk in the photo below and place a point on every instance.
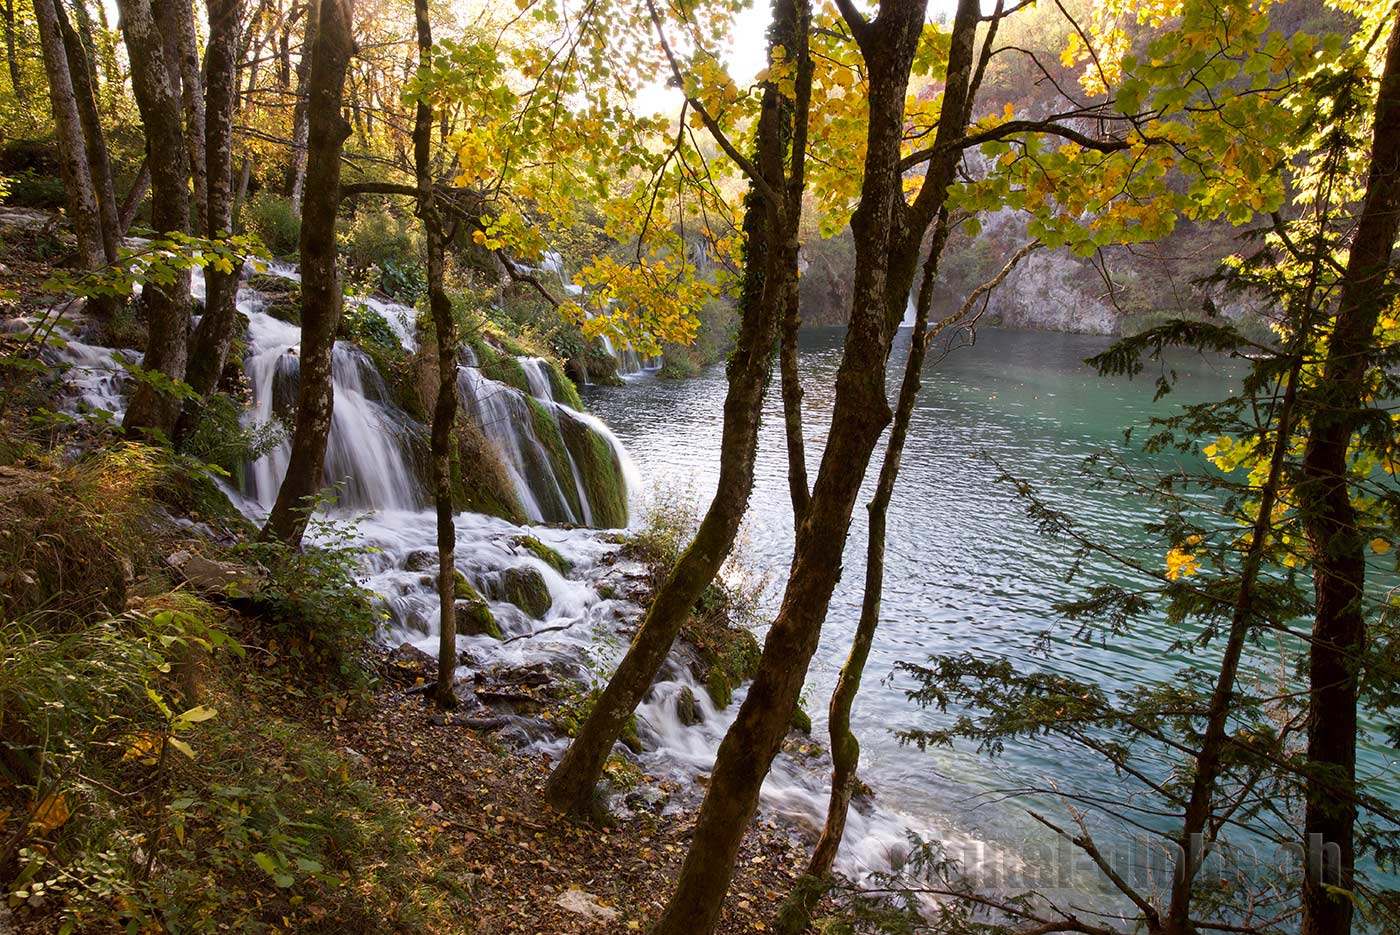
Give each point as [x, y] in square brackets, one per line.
[321, 300]
[155, 81]
[99, 163]
[215, 332]
[769, 268]
[445, 408]
[888, 232]
[72, 149]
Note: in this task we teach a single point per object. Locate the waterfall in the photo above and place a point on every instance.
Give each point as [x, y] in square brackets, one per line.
[629, 362]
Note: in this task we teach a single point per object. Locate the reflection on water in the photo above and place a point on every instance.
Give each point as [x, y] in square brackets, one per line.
[966, 570]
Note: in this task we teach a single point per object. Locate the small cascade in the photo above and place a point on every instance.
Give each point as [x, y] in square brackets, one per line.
[564, 465]
[629, 362]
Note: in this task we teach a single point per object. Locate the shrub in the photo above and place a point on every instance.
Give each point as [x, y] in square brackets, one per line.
[276, 222]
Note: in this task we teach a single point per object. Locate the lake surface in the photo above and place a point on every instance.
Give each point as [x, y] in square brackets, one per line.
[966, 569]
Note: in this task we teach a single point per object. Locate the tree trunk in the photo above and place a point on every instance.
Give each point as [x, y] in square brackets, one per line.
[861, 412]
[215, 332]
[192, 97]
[795, 916]
[766, 271]
[72, 149]
[98, 162]
[296, 170]
[134, 196]
[321, 298]
[799, 490]
[7, 19]
[167, 307]
[445, 406]
[1337, 548]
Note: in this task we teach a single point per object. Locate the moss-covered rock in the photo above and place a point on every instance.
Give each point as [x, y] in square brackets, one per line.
[545, 553]
[498, 365]
[628, 738]
[547, 429]
[802, 721]
[526, 589]
[603, 481]
[728, 655]
[474, 618]
[283, 296]
[561, 387]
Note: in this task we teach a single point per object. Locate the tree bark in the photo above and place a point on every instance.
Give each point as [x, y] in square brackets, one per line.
[7, 18]
[192, 98]
[321, 298]
[445, 406]
[215, 332]
[767, 270]
[167, 307]
[95, 145]
[799, 491]
[134, 196]
[296, 170]
[1337, 547]
[883, 268]
[72, 148]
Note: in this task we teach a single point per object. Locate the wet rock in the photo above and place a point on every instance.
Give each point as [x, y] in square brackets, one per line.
[421, 560]
[474, 618]
[802, 721]
[526, 589]
[544, 553]
[687, 709]
[533, 676]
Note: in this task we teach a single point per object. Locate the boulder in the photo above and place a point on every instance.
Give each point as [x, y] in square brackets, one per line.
[544, 553]
[474, 618]
[687, 708]
[421, 560]
[526, 589]
[208, 575]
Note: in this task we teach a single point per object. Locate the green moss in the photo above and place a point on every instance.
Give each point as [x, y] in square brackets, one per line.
[546, 554]
[497, 365]
[526, 589]
[629, 737]
[717, 684]
[283, 296]
[479, 482]
[562, 387]
[802, 721]
[603, 480]
[547, 430]
[462, 588]
[729, 655]
[474, 617]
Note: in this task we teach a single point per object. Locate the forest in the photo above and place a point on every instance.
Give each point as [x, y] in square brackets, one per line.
[697, 466]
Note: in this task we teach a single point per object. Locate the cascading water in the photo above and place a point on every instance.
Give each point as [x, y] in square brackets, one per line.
[582, 634]
[629, 362]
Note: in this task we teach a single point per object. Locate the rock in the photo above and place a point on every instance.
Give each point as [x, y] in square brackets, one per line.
[586, 905]
[544, 553]
[206, 574]
[801, 721]
[687, 708]
[628, 738]
[526, 589]
[531, 676]
[421, 560]
[408, 663]
[474, 618]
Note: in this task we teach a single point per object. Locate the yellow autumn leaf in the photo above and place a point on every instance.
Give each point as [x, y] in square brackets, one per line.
[51, 813]
[1181, 563]
[1380, 546]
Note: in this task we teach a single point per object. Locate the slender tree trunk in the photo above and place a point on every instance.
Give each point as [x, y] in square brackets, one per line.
[72, 149]
[167, 307]
[296, 170]
[215, 332]
[321, 298]
[445, 406]
[861, 412]
[134, 196]
[245, 173]
[767, 271]
[1337, 547]
[796, 914]
[107, 55]
[799, 490]
[7, 19]
[192, 97]
[98, 162]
